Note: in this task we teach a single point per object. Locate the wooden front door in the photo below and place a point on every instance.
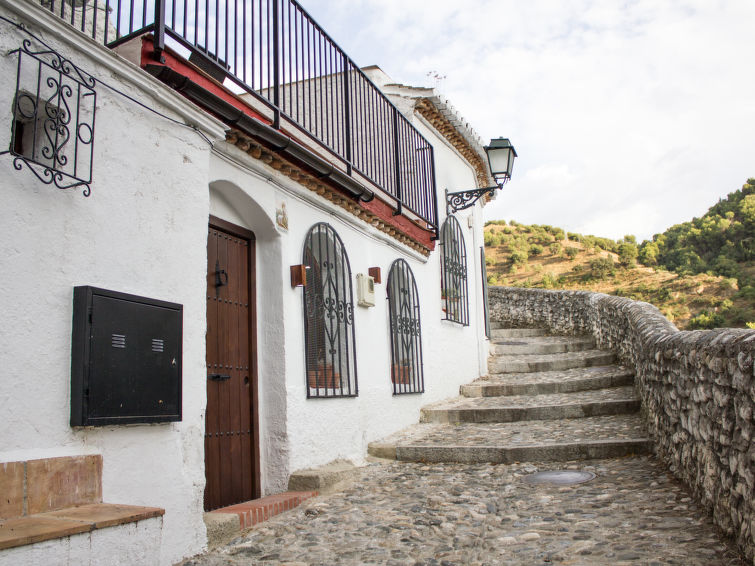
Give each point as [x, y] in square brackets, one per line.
[231, 438]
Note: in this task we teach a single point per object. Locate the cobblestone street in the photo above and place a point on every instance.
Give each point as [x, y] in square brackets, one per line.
[397, 513]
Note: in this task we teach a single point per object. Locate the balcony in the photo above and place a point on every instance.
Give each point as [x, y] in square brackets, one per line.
[272, 53]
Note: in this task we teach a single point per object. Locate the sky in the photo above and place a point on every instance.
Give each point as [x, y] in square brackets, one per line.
[627, 116]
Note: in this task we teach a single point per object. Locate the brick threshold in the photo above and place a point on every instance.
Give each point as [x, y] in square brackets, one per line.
[256, 511]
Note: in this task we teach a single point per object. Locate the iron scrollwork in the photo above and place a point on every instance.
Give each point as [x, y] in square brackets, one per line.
[53, 119]
[453, 278]
[406, 330]
[464, 199]
[328, 316]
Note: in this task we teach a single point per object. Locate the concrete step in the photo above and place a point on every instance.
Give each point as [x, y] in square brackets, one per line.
[505, 443]
[504, 333]
[542, 345]
[323, 479]
[549, 362]
[611, 401]
[542, 383]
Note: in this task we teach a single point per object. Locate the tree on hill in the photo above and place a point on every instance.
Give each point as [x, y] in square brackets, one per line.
[717, 242]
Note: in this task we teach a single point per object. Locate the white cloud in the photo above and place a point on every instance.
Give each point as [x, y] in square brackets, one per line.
[628, 117]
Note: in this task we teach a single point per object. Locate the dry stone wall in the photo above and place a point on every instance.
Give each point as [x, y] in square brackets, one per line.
[697, 389]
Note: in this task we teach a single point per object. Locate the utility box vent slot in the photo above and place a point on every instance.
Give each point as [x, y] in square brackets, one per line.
[125, 360]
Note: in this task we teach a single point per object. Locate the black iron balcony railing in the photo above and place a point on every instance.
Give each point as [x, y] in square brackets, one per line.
[275, 52]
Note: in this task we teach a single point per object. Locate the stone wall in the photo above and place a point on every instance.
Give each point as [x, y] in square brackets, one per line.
[697, 389]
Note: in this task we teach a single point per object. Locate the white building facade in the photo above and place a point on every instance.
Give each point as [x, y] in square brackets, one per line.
[169, 170]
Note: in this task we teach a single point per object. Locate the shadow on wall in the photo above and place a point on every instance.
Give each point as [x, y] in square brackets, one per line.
[697, 388]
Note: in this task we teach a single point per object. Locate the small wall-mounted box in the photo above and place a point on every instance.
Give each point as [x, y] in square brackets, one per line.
[125, 359]
[374, 272]
[298, 275]
[365, 290]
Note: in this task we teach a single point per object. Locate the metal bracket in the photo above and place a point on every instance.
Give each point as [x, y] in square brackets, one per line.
[464, 199]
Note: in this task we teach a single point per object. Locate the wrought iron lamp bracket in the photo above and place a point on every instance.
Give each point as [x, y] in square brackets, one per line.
[464, 199]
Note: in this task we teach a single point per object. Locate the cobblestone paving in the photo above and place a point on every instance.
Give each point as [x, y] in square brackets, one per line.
[576, 398]
[552, 376]
[399, 514]
[621, 427]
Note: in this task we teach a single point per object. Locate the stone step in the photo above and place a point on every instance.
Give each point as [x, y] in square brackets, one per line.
[542, 345]
[542, 383]
[504, 333]
[611, 401]
[506, 443]
[549, 362]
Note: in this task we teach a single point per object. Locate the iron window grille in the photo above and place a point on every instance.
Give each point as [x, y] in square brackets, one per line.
[53, 119]
[486, 311]
[406, 330]
[453, 269]
[328, 316]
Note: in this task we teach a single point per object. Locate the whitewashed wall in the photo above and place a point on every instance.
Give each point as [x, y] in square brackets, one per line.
[142, 231]
[297, 432]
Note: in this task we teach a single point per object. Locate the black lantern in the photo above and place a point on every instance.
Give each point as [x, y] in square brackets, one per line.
[501, 155]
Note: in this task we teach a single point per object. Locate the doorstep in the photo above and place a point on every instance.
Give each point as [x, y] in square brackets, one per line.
[227, 522]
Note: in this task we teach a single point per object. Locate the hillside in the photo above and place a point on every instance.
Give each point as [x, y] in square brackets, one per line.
[547, 257]
[721, 242]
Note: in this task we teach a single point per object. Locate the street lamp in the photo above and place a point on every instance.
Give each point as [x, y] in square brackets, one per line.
[501, 155]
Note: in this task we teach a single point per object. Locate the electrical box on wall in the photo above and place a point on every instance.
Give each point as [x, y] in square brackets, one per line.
[365, 290]
[125, 359]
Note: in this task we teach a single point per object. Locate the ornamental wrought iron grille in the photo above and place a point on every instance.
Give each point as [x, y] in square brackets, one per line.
[453, 273]
[328, 316]
[486, 312]
[53, 119]
[406, 331]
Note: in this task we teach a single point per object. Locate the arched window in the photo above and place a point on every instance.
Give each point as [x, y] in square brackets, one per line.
[453, 273]
[406, 331]
[328, 316]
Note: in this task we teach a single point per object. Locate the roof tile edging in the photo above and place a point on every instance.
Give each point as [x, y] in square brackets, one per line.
[442, 124]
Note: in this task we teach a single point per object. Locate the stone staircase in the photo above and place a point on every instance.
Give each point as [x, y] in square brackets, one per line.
[547, 398]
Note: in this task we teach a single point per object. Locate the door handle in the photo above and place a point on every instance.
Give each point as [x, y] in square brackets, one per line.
[218, 376]
[219, 275]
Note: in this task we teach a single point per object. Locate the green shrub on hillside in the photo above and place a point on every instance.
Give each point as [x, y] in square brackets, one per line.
[627, 254]
[535, 249]
[571, 253]
[706, 320]
[648, 253]
[519, 258]
[602, 267]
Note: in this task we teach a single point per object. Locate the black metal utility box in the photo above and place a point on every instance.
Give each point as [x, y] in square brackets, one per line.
[125, 359]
